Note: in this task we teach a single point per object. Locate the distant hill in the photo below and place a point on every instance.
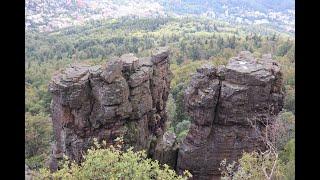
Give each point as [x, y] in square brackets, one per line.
[198, 6]
[45, 15]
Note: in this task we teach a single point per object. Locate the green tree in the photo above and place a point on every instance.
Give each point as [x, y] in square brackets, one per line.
[220, 43]
[38, 135]
[284, 48]
[231, 42]
[171, 109]
[195, 52]
[103, 162]
[182, 129]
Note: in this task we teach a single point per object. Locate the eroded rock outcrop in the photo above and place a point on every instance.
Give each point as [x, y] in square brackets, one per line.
[126, 97]
[224, 102]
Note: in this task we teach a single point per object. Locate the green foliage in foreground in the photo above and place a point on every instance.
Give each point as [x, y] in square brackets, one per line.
[112, 163]
[254, 166]
[258, 166]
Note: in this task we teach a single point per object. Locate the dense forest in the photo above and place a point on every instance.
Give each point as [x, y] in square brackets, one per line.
[192, 43]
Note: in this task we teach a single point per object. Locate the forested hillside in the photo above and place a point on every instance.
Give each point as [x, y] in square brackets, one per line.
[101, 39]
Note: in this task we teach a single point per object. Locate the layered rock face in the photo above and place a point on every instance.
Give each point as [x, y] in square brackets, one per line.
[224, 103]
[126, 97]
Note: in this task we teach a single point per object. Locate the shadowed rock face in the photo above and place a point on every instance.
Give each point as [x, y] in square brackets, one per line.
[223, 103]
[126, 97]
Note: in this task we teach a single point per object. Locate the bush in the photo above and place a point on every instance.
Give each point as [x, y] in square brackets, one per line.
[283, 129]
[182, 135]
[182, 126]
[171, 109]
[112, 163]
[253, 166]
[271, 164]
[37, 161]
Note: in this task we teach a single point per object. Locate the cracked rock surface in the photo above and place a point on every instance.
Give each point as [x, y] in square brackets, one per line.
[125, 97]
[224, 102]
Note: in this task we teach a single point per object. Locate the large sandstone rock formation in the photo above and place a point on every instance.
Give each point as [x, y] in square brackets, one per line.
[126, 97]
[224, 102]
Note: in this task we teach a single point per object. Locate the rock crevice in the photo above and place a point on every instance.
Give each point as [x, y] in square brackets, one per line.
[127, 97]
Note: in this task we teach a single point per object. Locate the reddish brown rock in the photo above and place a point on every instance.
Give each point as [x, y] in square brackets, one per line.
[121, 98]
[127, 97]
[223, 102]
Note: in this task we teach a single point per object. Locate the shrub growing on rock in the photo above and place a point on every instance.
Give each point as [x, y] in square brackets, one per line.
[253, 166]
[113, 163]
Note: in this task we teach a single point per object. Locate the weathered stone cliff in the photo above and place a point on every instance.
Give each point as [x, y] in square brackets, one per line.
[126, 97]
[224, 102]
